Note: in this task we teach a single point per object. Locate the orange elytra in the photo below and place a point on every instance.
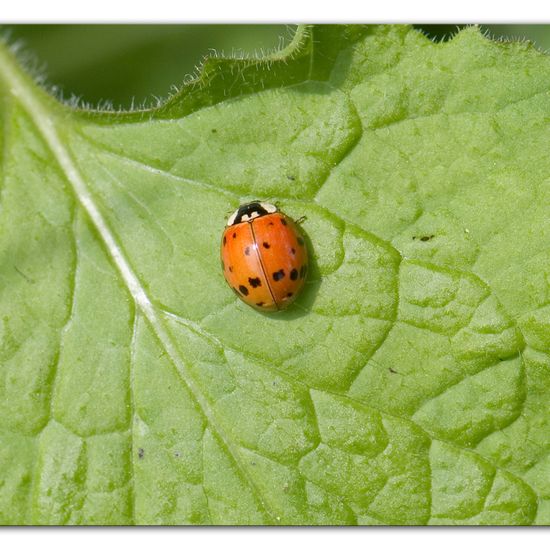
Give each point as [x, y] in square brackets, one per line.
[264, 256]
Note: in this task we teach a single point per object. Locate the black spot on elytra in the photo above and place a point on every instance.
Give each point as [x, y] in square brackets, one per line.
[278, 275]
[266, 245]
[270, 223]
[259, 304]
[141, 452]
[289, 294]
[247, 251]
[243, 290]
[254, 282]
[293, 251]
[230, 269]
[283, 221]
[300, 241]
[294, 274]
[303, 271]
[224, 240]
[234, 235]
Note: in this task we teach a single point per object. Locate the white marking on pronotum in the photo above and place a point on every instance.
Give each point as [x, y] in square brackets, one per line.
[269, 208]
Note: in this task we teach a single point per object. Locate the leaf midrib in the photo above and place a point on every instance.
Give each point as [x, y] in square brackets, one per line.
[46, 121]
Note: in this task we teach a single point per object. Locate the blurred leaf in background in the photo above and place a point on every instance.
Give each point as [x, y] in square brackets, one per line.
[119, 63]
[134, 63]
[538, 34]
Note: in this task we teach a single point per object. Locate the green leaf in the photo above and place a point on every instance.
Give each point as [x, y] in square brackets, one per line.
[410, 382]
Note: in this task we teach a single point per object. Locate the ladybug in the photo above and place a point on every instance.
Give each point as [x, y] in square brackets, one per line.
[264, 256]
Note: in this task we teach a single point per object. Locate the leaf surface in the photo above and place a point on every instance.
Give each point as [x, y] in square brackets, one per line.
[410, 382]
